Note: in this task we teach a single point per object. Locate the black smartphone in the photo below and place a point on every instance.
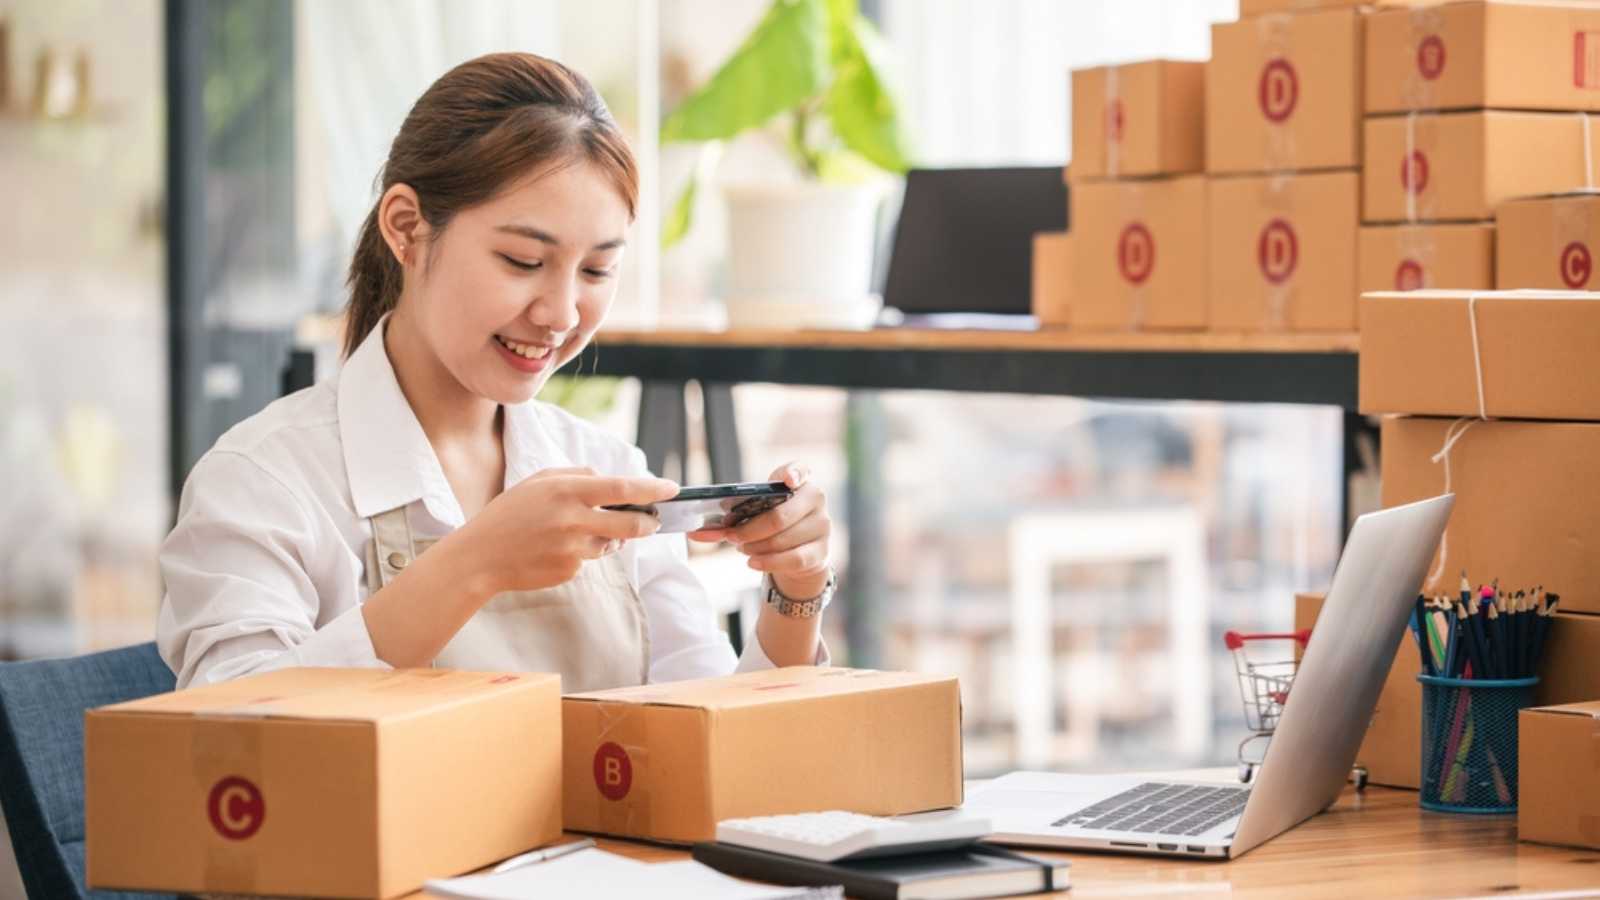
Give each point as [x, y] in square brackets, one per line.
[713, 505]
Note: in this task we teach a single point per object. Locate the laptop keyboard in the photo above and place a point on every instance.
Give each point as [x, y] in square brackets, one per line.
[1161, 808]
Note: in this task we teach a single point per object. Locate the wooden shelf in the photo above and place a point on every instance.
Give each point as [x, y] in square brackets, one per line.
[1043, 340]
[1237, 368]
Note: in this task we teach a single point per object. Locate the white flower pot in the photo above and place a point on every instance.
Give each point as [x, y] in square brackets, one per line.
[800, 255]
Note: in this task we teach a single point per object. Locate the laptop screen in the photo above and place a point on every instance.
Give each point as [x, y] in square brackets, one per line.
[964, 242]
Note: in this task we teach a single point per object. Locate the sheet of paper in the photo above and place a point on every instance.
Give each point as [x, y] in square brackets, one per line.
[576, 874]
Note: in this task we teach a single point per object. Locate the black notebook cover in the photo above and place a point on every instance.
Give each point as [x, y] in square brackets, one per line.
[992, 871]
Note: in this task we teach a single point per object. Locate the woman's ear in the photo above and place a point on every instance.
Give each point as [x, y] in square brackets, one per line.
[400, 220]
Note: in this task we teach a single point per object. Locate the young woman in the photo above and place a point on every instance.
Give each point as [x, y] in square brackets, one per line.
[421, 508]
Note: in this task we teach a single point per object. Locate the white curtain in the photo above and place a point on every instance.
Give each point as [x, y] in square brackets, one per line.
[364, 62]
[985, 81]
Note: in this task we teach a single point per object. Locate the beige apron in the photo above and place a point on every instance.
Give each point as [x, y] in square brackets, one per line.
[590, 629]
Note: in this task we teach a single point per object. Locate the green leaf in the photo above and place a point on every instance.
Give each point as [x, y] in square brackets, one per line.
[859, 103]
[781, 64]
[841, 166]
[677, 223]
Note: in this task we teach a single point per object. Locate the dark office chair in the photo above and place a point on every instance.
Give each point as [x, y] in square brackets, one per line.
[41, 756]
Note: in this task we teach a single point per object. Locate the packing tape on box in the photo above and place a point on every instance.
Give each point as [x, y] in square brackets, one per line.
[1112, 121]
[1278, 293]
[1273, 31]
[225, 759]
[1417, 91]
[1133, 213]
[1414, 179]
[1418, 246]
[631, 812]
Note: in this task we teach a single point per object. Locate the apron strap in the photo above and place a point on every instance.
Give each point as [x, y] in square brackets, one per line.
[392, 547]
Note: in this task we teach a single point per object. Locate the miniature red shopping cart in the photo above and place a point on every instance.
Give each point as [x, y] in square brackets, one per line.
[1264, 688]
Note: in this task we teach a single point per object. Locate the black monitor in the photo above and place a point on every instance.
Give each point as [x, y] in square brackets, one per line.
[964, 242]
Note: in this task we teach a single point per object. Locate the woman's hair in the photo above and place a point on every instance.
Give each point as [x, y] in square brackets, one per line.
[480, 127]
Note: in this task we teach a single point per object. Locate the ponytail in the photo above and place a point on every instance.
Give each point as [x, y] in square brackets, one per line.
[374, 283]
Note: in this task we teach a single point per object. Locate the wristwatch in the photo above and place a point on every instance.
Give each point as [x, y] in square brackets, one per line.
[798, 609]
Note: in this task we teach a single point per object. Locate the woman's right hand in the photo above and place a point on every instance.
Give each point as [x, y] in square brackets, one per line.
[538, 533]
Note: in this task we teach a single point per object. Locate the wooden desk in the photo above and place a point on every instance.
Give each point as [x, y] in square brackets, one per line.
[1375, 844]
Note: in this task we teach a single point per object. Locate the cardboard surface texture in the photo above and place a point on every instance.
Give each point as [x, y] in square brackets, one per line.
[1535, 353]
[1145, 118]
[1140, 254]
[1283, 92]
[1052, 278]
[1413, 257]
[666, 762]
[1460, 166]
[322, 782]
[1475, 55]
[1522, 513]
[1283, 252]
[1550, 242]
[1558, 785]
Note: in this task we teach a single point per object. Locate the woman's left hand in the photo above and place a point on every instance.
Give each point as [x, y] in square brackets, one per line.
[789, 541]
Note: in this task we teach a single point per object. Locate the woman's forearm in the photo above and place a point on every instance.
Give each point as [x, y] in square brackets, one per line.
[788, 641]
[413, 617]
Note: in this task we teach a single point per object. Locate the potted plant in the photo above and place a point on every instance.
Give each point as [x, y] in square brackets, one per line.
[800, 253]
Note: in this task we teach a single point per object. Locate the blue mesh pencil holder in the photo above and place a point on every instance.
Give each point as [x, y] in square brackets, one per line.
[1469, 742]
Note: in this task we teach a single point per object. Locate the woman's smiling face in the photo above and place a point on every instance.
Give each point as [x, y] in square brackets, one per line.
[515, 287]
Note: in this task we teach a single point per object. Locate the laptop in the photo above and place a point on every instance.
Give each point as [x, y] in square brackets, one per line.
[1329, 707]
[964, 239]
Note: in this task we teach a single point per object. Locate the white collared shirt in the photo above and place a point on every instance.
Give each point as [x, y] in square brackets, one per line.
[265, 568]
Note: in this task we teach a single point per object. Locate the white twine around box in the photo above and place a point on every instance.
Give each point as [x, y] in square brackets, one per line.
[1458, 428]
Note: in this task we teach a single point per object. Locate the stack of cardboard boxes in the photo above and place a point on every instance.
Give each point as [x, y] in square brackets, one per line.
[1138, 201]
[1461, 98]
[1283, 156]
[1444, 153]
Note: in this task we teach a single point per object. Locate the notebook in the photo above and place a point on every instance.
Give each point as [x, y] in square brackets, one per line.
[577, 874]
[970, 872]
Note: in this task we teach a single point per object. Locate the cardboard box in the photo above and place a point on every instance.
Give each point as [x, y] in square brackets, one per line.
[1558, 785]
[666, 762]
[1535, 354]
[322, 782]
[1415, 257]
[1460, 166]
[1052, 278]
[1392, 748]
[1145, 118]
[1140, 254]
[1284, 93]
[1478, 55]
[1525, 510]
[1283, 252]
[1256, 7]
[1550, 242]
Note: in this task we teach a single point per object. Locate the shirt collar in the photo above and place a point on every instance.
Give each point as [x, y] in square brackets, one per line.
[387, 456]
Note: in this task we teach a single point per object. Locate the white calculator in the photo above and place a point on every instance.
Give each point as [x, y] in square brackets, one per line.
[835, 834]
